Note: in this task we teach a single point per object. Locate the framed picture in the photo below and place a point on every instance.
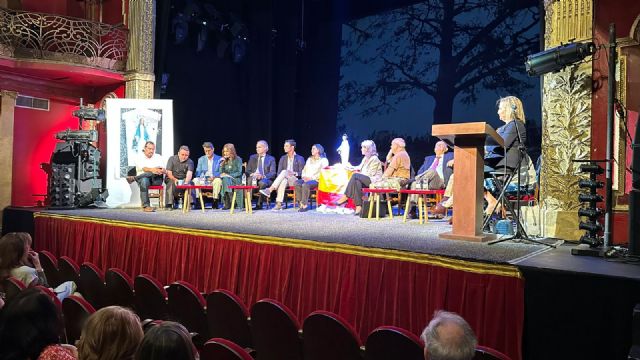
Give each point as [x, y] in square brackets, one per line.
[131, 123]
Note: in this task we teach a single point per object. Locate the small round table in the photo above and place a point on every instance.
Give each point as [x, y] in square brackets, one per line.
[422, 202]
[375, 196]
[186, 202]
[247, 196]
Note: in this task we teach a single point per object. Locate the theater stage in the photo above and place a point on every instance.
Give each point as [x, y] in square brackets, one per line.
[370, 272]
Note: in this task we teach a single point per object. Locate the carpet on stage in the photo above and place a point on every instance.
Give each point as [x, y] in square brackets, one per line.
[329, 228]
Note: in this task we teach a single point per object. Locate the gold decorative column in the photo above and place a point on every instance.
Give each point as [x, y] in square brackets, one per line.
[7, 107]
[139, 77]
[566, 120]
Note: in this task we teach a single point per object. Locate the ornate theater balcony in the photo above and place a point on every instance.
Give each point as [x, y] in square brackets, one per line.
[62, 39]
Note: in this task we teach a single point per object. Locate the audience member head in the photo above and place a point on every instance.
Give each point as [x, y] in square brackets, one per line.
[14, 248]
[289, 146]
[262, 147]
[448, 337]
[167, 341]
[319, 150]
[183, 153]
[29, 323]
[440, 148]
[510, 108]
[368, 148]
[207, 147]
[111, 333]
[229, 151]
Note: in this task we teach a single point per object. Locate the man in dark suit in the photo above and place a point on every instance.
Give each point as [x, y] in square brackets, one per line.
[261, 168]
[289, 170]
[434, 172]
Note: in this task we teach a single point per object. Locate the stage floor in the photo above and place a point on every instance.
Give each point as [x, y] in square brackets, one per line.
[329, 228]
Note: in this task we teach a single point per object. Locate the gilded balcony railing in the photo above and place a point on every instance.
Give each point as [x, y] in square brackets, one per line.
[28, 35]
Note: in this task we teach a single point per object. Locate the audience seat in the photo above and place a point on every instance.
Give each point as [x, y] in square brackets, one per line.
[68, 270]
[50, 266]
[12, 287]
[91, 284]
[275, 331]
[76, 310]
[53, 296]
[487, 353]
[227, 317]
[390, 343]
[119, 288]
[223, 349]
[188, 307]
[328, 336]
[150, 298]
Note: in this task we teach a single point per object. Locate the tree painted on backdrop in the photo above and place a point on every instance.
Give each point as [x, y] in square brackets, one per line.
[442, 48]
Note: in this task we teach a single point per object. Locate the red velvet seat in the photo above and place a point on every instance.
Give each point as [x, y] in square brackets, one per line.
[223, 349]
[188, 307]
[275, 331]
[328, 336]
[118, 288]
[227, 318]
[50, 266]
[12, 287]
[390, 343]
[68, 270]
[76, 310]
[53, 296]
[487, 353]
[150, 298]
[91, 284]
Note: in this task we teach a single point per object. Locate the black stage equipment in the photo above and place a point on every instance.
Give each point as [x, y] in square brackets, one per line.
[634, 197]
[591, 199]
[75, 180]
[555, 60]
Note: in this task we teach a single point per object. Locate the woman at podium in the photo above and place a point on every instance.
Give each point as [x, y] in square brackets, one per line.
[514, 134]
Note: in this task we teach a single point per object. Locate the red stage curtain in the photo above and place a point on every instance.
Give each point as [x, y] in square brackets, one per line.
[400, 289]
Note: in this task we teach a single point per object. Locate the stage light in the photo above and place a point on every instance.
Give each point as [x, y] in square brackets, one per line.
[588, 184]
[557, 58]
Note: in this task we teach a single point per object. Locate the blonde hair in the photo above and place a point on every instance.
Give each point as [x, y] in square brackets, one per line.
[515, 110]
[111, 333]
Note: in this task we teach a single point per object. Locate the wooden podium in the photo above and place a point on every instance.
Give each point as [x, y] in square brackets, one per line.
[468, 140]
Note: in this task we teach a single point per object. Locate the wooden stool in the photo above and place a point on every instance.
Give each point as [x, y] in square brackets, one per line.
[375, 196]
[423, 213]
[160, 189]
[247, 197]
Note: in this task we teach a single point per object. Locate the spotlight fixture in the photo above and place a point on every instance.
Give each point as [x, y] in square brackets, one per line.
[557, 58]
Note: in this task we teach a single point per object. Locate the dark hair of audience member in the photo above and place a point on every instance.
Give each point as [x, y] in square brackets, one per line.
[28, 323]
[167, 341]
[12, 248]
[111, 333]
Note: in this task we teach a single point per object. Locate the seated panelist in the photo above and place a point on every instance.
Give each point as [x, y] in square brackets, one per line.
[310, 175]
[149, 172]
[369, 170]
[261, 167]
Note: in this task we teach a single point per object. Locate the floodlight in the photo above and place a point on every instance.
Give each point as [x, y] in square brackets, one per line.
[557, 58]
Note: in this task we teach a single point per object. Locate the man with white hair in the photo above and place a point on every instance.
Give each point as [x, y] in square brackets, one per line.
[398, 169]
[261, 167]
[434, 173]
[448, 337]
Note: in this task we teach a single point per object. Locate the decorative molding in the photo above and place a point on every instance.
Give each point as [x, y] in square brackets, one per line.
[30, 35]
[141, 36]
[139, 85]
[566, 119]
[568, 20]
